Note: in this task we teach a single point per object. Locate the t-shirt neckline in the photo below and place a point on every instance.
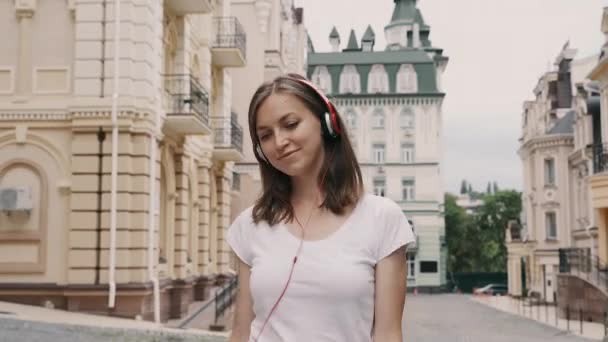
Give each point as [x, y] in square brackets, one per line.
[343, 227]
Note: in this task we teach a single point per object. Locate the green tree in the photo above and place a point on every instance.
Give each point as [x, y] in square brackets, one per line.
[476, 242]
[491, 221]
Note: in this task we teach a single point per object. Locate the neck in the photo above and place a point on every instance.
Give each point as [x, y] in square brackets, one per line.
[306, 191]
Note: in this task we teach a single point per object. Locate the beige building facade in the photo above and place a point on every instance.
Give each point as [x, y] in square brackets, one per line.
[555, 134]
[115, 199]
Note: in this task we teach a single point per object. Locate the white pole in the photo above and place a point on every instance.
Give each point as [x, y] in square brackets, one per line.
[152, 237]
[115, 92]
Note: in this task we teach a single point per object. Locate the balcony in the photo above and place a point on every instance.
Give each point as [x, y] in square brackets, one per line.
[229, 45]
[187, 105]
[228, 138]
[182, 7]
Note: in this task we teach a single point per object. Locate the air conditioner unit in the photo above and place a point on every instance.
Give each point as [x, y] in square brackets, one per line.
[15, 199]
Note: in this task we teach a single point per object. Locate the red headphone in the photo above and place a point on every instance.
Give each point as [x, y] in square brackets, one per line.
[329, 120]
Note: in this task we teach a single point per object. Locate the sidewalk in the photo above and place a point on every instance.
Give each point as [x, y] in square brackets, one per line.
[18, 316]
[543, 314]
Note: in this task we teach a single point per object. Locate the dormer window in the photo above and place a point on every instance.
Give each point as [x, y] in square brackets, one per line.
[322, 79]
[407, 79]
[377, 80]
[350, 81]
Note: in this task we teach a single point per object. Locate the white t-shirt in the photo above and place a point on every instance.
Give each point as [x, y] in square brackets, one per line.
[331, 294]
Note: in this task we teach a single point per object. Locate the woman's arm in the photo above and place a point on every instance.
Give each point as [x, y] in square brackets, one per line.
[391, 279]
[243, 313]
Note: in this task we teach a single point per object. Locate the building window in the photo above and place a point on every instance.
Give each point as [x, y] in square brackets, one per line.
[379, 186]
[378, 119]
[550, 171]
[351, 119]
[406, 118]
[551, 225]
[408, 189]
[407, 153]
[322, 79]
[377, 80]
[411, 265]
[428, 267]
[407, 80]
[378, 153]
[350, 81]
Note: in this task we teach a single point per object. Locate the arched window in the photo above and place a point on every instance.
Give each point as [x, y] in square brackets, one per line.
[377, 80]
[350, 81]
[407, 80]
[322, 79]
[378, 119]
[351, 119]
[406, 118]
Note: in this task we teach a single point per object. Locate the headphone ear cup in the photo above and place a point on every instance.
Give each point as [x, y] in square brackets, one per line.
[328, 125]
[258, 151]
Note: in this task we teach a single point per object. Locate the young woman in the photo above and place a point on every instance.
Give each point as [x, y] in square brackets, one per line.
[319, 260]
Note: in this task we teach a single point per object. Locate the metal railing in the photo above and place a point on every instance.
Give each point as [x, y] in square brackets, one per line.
[600, 158]
[223, 299]
[580, 263]
[227, 132]
[229, 34]
[185, 96]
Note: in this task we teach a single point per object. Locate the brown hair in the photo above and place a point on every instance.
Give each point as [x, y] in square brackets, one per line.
[343, 183]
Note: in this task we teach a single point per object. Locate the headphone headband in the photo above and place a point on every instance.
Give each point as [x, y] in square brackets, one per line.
[333, 127]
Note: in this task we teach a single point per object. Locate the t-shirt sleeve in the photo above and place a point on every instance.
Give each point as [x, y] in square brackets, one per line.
[395, 233]
[239, 238]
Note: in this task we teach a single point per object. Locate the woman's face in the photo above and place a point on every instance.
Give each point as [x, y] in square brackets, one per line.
[290, 135]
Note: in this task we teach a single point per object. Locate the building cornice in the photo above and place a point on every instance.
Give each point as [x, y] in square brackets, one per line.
[547, 141]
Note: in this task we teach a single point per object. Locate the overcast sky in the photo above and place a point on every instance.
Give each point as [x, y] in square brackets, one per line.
[498, 49]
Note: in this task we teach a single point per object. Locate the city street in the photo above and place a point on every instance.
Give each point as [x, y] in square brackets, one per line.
[456, 318]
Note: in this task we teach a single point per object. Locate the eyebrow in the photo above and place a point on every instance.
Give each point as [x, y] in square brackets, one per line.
[283, 118]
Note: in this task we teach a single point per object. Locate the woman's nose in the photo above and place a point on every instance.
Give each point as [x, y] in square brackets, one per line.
[280, 139]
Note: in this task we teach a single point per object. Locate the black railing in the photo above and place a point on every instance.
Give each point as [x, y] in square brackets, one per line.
[580, 263]
[228, 133]
[224, 298]
[229, 34]
[185, 96]
[600, 158]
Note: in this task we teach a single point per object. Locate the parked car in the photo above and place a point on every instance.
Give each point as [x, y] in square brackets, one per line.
[492, 290]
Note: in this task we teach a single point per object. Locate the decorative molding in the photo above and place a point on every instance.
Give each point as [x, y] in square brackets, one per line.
[36, 75]
[25, 8]
[387, 101]
[11, 75]
[64, 186]
[263, 9]
[20, 134]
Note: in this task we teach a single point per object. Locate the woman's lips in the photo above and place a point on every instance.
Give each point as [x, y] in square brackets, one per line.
[283, 156]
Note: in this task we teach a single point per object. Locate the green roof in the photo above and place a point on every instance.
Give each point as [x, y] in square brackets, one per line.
[392, 60]
[405, 10]
[369, 57]
[334, 33]
[352, 42]
[369, 34]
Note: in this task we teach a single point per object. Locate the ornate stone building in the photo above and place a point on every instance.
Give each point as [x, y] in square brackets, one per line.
[117, 146]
